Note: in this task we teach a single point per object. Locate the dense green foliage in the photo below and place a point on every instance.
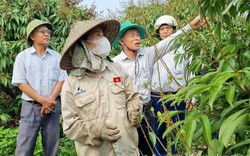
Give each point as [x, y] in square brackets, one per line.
[8, 143]
[221, 117]
[8, 140]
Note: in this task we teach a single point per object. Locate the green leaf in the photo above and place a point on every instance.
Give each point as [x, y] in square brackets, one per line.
[17, 20]
[208, 76]
[242, 144]
[3, 62]
[228, 110]
[152, 137]
[191, 126]
[4, 49]
[2, 22]
[170, 129]
[228, 7]
[222, 77]
[5, 81]
[213, 93]
[206, 128]
[239, 2]
[203, 102]
[247, 54]
[243, 82]
[217, 30]
[230, 92]
[231, 48]
[4, 117]
[227, 67]
[197, 90]
[229, 125]
[227, 20]
[215, 148]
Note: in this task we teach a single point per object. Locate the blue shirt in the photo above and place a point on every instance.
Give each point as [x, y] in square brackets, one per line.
[41, 73]
[141, 69]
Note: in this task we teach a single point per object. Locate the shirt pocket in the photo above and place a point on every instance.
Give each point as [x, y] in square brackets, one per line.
[86, 107]
[54, 74]
[118, 96]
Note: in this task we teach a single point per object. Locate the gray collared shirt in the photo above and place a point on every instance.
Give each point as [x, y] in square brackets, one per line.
[41, 73]
[141, 69]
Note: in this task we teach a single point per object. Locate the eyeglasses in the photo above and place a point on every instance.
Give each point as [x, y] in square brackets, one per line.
[43, 31]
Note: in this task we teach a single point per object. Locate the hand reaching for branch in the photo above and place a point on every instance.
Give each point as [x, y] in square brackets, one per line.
[197, 23]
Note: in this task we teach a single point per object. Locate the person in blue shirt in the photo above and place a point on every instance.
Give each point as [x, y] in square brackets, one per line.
[38, 75]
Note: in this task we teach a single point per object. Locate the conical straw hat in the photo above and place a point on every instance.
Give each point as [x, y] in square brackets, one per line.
[79, 29]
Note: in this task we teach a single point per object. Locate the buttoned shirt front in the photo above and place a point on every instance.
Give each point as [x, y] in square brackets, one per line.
[141, 69]
[41, 73]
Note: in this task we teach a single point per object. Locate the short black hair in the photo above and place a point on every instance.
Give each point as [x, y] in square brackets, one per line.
[157, 31]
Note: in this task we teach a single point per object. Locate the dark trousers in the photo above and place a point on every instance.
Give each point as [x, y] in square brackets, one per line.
[158, 106]
[145, 144]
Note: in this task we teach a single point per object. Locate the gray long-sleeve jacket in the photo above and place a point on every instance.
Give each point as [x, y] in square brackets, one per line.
[88, 102]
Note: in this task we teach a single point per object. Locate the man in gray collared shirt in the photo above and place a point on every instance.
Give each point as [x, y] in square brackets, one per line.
[38, 75]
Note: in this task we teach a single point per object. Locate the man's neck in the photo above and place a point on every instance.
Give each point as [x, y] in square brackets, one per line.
[40, 49]
[130, 54]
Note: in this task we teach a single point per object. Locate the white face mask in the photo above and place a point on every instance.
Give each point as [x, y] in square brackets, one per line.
[102, 48]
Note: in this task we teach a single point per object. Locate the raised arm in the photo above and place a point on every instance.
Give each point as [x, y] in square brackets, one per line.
[166, 45]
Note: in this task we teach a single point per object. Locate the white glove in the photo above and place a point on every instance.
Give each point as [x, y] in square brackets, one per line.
[133, 115]
[110, 133]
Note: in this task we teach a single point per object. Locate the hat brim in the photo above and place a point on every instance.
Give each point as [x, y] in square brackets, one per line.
[79, 29]
[140, 30]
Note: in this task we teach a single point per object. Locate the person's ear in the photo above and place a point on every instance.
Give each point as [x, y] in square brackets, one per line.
[121, 42]
[32, 36]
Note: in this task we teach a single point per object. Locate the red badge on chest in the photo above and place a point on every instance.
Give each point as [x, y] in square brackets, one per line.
[116, 79]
